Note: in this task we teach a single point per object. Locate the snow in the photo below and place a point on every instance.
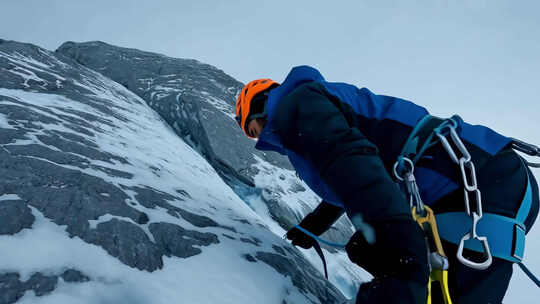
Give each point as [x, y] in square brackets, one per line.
[107, 217]
[136, 133]
[26, 67]
[113, 282]
[9, 197]
[220, 105]
[4, 122]
[283, 181]
[142, 136]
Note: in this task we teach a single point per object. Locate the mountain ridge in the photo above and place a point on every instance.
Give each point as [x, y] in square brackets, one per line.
[85, 169]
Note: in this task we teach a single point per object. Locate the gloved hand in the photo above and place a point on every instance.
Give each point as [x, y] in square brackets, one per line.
[299, 238]
[398, 260]
[399, 251]
[316, 222]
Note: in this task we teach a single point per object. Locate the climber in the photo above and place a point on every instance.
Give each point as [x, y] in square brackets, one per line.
[344, 143]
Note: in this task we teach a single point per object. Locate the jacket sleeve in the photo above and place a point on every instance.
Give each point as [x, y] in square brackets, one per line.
[310, 122]
[322, 218]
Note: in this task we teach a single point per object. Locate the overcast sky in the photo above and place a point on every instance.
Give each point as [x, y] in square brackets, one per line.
[477, 58]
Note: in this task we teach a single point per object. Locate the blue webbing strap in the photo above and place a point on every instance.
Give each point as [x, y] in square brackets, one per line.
[506, 235]
[318, 239]
[318, 248]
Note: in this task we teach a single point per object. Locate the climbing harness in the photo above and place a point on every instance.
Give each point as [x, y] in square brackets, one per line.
[508, 241]
[444, 131]
[509, 233]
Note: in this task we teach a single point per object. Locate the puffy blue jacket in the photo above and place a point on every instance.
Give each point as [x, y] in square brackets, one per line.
[339, 137]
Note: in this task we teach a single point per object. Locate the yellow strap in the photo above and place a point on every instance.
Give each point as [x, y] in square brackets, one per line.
[429, 292]
[442, 277]
[428, 222]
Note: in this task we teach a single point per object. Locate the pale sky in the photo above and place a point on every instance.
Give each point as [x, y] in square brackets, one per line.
[477, 58]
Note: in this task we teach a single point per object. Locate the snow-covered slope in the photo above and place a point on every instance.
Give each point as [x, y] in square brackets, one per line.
[102, 202]
[197, 101]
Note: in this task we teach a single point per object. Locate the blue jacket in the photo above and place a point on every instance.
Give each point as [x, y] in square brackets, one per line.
[332, 133]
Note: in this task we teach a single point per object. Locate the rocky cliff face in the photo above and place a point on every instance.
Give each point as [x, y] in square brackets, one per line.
[197, 100]
[105, 199]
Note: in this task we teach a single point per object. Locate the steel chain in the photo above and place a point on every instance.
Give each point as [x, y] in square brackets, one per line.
[471, 191]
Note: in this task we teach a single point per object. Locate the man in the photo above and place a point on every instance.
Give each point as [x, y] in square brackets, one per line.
[344, 142]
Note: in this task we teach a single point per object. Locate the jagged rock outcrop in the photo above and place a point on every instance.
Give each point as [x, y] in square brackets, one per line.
[197, 100]
[86, 167]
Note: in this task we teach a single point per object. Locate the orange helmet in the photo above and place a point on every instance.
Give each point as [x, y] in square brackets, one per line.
[244, 109]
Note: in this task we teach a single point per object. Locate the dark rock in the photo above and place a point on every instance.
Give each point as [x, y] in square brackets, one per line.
[249, 258]
[243, 221]
[151, 198]
[72, 275]
[196, 99]
[129, 243]
[14, 216]
[177, 241]
[143, 219]
[228, 236]
[252, 240]
[11, 289]
[281, 213]
[79, 149]
[75, 138]
[296, 187]
[303, 276]
[41, 284]
[279, 249]
[197, 220]
[183, 193]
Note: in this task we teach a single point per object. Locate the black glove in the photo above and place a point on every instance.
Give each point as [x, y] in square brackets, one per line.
[399, 251]
[299, 238]
[397, 259]
[316, 222]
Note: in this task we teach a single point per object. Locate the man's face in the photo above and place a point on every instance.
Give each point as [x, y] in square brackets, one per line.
[255, 127]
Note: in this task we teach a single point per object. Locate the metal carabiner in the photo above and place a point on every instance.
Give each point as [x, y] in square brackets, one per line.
[480, 266]
[473, 235]
[403, 160]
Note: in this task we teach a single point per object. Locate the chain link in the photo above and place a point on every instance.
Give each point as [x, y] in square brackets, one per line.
[470, 188]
